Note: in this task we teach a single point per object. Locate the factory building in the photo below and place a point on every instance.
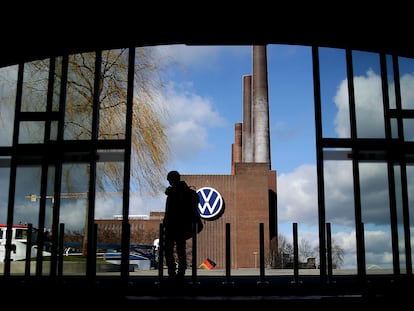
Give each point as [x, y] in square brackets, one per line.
[235, 207]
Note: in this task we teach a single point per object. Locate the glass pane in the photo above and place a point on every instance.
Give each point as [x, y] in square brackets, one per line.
[35, 83]
[27, 211]
[108, 206]
[410, 187]
[54, 130]
[391, 84]
[72, 214]
[78, 114]
[334, 93]
[8, 79]
[340, 213]
[369, 106]
[4, 185]
[394, 128]
[57, 84]
[406, 67]
[4, 199]
[112, 111]
[400, 217]
[408, 125]
[376, 217]
[32, 132]
[290, 89]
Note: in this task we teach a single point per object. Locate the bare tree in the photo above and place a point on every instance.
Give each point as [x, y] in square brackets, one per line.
[285, 251]
[337, 255]
[150, 149]
[304, 249]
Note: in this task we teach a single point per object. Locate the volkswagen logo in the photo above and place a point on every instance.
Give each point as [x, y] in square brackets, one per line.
[211, 203]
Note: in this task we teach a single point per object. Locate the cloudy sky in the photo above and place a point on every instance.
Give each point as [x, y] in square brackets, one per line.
[204, 99]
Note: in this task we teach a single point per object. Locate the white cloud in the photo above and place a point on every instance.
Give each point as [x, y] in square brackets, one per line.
[407, 92]
[346, 240]
[297, 196]
[73, 215]
[190, 117]
[140, 205]
[368, 105]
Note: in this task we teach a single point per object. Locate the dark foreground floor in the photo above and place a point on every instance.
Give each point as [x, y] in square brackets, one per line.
[107, 293]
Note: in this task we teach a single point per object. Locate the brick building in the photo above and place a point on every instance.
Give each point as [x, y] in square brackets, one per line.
[249, 197]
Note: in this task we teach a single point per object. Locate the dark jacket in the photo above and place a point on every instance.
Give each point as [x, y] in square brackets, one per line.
[181, 210]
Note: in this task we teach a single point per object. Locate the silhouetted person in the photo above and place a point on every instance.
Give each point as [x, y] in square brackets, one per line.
[180, 208]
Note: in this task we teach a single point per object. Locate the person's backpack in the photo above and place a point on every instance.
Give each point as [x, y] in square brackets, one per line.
[193, 200]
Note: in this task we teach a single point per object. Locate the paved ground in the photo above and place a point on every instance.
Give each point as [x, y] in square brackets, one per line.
[210, 288]
[268, 272]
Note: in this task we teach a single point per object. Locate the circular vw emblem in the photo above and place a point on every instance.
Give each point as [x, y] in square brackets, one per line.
[211, 202]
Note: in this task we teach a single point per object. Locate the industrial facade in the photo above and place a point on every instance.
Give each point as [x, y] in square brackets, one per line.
[249, 197]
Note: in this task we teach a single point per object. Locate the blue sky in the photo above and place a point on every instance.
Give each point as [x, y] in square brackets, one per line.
[204, 98]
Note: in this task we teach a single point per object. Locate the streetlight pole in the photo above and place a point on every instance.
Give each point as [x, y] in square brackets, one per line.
[255, 259]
